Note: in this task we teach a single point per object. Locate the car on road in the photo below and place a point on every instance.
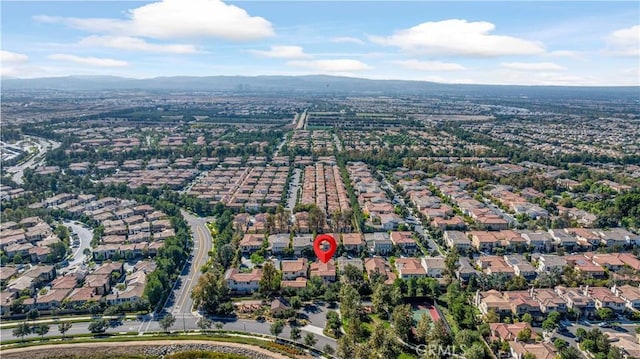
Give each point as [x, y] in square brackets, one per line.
[605, 325]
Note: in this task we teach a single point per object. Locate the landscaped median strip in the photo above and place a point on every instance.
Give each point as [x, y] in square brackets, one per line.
[83, 319]
[260, 340]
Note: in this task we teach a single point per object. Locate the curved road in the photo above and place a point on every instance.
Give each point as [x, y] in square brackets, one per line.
[203, 244]
[43, 145]
[85, 235]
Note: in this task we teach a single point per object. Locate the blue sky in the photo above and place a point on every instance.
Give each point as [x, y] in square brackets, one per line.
[492, 42]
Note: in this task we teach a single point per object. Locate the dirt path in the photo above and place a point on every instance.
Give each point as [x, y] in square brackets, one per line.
[86, 349]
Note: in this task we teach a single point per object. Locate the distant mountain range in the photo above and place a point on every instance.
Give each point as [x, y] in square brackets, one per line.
[320, 84]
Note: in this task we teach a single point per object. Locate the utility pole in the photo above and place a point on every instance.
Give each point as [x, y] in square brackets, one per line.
[184, 323]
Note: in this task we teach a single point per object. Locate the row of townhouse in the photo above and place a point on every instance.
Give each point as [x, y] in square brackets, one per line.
[31, 239]
[588, 265]
[295, 273]
[372, 199]
[539, 302]
[66, 291]
[541, 241]
[380, 243]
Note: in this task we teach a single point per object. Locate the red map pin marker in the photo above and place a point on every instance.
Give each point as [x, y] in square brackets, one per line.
[324, 256]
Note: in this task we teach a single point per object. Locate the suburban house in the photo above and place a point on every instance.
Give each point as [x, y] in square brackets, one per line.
[381, 267]
[577, 300]
[251, 243]
[302, 242]
[278, 242]
[404, 241]
[521, 266]
[326, 271]
[379, 242]
[458, 240]
[507, 332]
[604, 298]
[243, 283]
[292, 269]
[410, 268]
[352, 242]
[630, 294]
[435, 266]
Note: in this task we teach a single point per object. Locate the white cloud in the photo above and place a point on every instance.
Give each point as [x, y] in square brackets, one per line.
[347, 40]
[135, 44]
[458, 37]
[12, 63]
[90, 61]
[8, 57]
[532, 66]
[283, 52]
[430, 65]
[567, 53]
[168, 19]
[625, 42]
[337, 65]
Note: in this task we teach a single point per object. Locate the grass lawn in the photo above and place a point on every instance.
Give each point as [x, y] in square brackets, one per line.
[449, 318]
[406, 356]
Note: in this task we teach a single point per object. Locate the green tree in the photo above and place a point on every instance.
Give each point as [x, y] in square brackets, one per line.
[98, 326]
[41, 330]
[167, 322]
[560, 344]
[204, 324]
[256, 258]
[310, 340]
[527, 318]
[555, 317]
[328, 349]
[380, 299]
[22, 330]
[581, 333]
[423, 328]
[354, 276]
[211, 294]
[270, 281]
[296, 302]
[33, 314]
[570, 353]
[333, 322]
[64, 327]
[317, 219]
[346, 347]
[549, 324]
[606, 314]
[475, 351]
[295, 334]
[451, 263]
[524, 335]
[382, 342]
[615, 353]
[350, 302]
[466, 337]
[277, 327]
[154, 289]
[402, 321]
[440, 335]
